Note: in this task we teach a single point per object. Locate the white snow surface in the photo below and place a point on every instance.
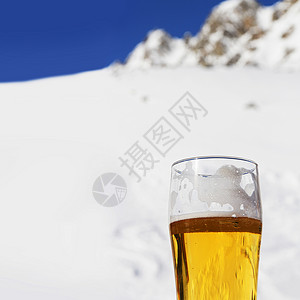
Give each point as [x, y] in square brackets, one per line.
[59, 134]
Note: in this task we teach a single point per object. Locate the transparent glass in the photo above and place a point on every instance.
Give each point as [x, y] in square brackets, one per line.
[215, 227]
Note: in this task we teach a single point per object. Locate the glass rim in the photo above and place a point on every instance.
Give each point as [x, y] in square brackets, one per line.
[215, 157]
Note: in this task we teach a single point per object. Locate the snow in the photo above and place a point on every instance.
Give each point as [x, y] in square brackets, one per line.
[273, 48]
[230, 8]
[58, 135]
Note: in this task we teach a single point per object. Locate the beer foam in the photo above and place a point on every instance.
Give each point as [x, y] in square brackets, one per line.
[229, 192]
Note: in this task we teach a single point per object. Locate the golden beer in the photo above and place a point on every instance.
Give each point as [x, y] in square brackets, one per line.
[216, 258]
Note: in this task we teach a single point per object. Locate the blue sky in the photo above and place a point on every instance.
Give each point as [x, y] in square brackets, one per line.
[49, 38]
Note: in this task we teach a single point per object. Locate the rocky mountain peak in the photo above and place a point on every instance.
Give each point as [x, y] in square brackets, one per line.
[237, 32]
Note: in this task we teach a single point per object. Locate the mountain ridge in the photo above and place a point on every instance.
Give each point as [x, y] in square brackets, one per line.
[236, 33]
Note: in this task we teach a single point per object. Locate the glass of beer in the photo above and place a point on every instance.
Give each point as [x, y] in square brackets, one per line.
[215, 228]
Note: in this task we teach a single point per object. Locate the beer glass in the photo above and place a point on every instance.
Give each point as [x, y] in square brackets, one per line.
[215, 228]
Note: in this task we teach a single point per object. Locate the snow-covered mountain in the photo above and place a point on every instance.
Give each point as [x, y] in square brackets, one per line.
[238, 32]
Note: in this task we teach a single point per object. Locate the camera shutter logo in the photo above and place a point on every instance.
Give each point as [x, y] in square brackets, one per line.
[109, 189]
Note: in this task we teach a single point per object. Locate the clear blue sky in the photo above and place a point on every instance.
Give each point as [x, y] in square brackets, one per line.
[41, 38]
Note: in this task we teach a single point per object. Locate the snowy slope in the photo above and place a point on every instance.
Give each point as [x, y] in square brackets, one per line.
[58, 135]
[238, 32]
